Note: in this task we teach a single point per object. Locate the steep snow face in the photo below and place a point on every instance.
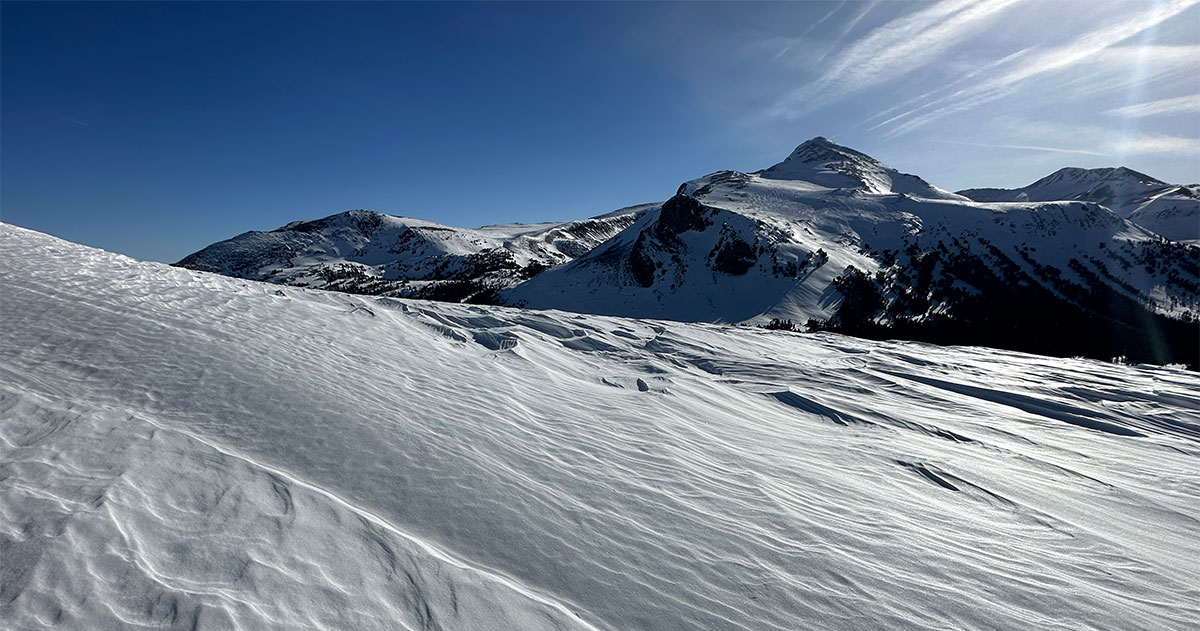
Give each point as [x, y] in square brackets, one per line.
[1166, 209]
[181, 450]
[826, 163]
[369, 252]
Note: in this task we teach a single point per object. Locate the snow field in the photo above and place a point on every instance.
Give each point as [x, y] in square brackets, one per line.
[184, 450]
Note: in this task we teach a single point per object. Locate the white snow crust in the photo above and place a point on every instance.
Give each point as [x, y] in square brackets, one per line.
[182, 450]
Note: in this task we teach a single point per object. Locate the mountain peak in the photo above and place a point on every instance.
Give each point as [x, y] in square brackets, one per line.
[1101, 175]
[818, 140]
[822, 161]
[826, 163]
[821, 148]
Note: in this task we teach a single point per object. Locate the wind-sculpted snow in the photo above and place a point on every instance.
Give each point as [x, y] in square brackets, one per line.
[185, 450]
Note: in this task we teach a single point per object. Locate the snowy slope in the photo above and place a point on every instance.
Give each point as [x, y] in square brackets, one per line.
[181, 450]
[363, 251]
[1170, 210]
[1173, 212]
[734, 247]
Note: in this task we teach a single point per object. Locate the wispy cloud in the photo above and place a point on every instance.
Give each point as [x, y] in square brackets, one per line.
[1106, 76]
[984, 69]
[1111, 71]
[1143, 144]
[1178, 105]
[962, 104]
[894, 50]
[1081, 50]
[1093, 42]
[849, 26]
[801, 36]
[1090, 139]
[74, 120]
[1024, 147]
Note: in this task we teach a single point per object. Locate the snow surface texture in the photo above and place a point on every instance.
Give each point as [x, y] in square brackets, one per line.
[1170, 210]
[184, 450]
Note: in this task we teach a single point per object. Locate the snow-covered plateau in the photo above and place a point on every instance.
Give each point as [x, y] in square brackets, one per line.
[183, 450]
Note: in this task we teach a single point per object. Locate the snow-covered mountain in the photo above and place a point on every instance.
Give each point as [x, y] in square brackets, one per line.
[181, 450]
[829, 237]
[834, 238]
[1170, 210]
[362, 251]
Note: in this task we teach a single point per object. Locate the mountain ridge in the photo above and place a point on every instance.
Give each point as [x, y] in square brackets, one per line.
[365, 251]
[1171, 210]
[831, 239]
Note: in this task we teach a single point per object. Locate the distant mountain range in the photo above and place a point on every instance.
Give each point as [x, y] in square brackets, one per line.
[367, 252]
[828, 239]
[1171, 210]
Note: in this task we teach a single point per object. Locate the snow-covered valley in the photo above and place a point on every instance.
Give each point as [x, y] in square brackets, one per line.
[185, 450]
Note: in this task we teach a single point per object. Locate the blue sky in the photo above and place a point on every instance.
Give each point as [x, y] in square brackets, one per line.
[155, 129]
